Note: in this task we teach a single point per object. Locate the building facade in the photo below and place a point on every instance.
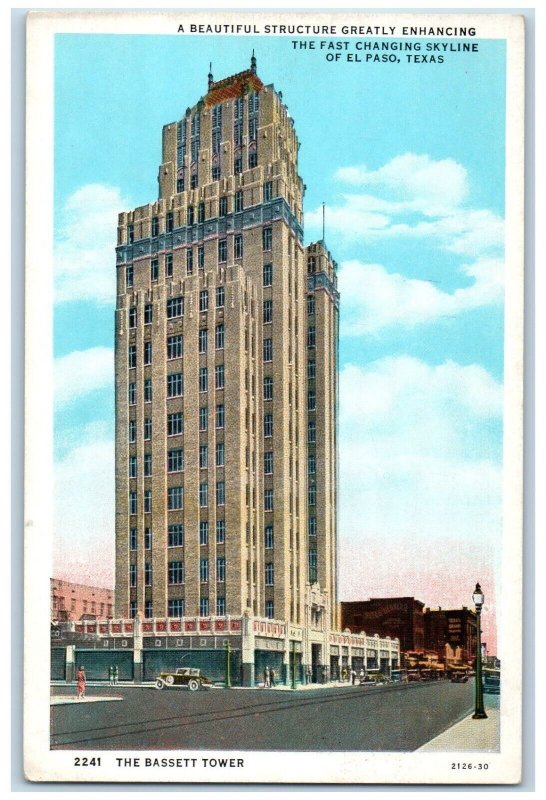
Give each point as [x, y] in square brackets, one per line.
[452, 634]
[226, 376]
[76, 601]
[400, 617]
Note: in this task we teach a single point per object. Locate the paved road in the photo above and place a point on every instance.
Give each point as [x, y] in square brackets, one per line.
[389, 718]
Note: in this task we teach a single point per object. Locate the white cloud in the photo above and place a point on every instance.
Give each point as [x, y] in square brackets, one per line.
[374, 299]
[85, 263]
[414, 197]
[85, 512]
[417, 456]
[82, 372]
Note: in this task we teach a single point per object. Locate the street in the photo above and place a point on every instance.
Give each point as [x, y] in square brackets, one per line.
[384, 718]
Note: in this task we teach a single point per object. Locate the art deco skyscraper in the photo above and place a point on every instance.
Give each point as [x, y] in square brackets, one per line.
[226, 375]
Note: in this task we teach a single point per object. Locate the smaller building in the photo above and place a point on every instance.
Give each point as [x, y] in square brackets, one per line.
[397, 617]
[452, 635]
[76, 601]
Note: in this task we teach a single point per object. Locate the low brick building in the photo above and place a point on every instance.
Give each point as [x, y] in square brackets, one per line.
[399, 617]
[451, 633]
[76, 601]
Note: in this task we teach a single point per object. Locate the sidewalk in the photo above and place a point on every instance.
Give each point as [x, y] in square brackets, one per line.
[67, 699]
[469, 735]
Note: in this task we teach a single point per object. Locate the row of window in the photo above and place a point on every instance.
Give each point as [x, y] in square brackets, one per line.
[175, 498]
[176, 572]
[176, 607]
[222, 257]
[175, 460]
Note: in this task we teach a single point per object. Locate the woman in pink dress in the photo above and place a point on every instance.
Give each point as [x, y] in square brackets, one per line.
[81, 683]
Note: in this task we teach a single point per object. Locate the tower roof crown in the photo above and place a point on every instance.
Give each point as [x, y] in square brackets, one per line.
[232, 87]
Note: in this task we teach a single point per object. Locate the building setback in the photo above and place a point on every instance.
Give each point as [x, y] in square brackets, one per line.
[226, 376]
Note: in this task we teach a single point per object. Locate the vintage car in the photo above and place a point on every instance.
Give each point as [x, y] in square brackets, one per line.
[459, 677]
[183, 677]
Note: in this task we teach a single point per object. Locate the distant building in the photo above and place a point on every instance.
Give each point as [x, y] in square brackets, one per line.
[400, 617]
[451, 633]
[76, 601]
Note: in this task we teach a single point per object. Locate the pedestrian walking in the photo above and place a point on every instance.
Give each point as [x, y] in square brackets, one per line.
[353, 677]
[81, 681]
[343, 674]
[272, 677]
[308, 674]
[115, 674]
[266, 678]
[361, 676]
[111, 675]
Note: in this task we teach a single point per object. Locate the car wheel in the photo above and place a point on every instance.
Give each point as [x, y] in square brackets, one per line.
[159, 684]
[169, 679]
[193, 685]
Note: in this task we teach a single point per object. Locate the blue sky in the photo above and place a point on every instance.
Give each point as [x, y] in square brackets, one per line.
[409, 159]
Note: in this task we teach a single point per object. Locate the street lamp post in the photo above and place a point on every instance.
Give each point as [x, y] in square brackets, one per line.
[228, 665]
[479, 711]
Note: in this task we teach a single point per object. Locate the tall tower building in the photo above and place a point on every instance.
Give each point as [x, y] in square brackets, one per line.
[226, 376]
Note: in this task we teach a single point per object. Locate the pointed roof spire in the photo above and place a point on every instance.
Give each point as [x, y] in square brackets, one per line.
[253, 63]
[211, 79]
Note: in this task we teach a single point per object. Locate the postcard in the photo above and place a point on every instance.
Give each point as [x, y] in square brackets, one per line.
[274, 323]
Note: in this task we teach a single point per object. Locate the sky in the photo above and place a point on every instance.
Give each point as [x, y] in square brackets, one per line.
[409, 161]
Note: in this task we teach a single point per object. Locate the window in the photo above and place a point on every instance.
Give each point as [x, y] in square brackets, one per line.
[132, 574]
[311, 337]
[219, 376]
[147, 429]
[148, 313]
[222, 207]
[222, 251]
[311, 464]
[203, 570]
[175, 424]
[189, 261]
[269, 609]
[268, 462]
[252, 159]
[155, 226]
[268, 499]
[175, 307]
[268, 350]
[204, 607]
[268, 425]
[154, 269]
[238, 133]
[132, 430]
[131, 356]
[239, 201]
[220, 296]
[203, 418]
[239, 105]
[217, 116]
[169, 265]
[169, 221]
[216, 173]
[252, 128]
[220, 454]
[175, 460]
[132, 317]
[203, 532]
[312, 495]
[175, 384]
[268, 274]
[132, 502]
[147, 538]
[203, 495]
[147, 465]
[201, 212]
[190, 215]
[268, 190]
[310, 304]
[130, 233]
[203, 300]
[203, 456]
[220, 569]
[267, 238]
[131, 394]
[147, 574]
[220, 415]
[238, 165]
[220, 531]
[133, 539]
[311, 368]
[203, 379]
[311, 265]
[132, 609]
[132, 466]
[253, 103]
[179, 185]
[129, 276]
[268, 388]
[147, 353]
[203, 340]
[220, 606]
[312, 566]
[312, 526]
[175, 346]
[175, 498]
[201, 256]
[219, 337]
[193, 179]
[175, 536]
[269, 574]
[238, 245]
[147, 501]
[311, 400]
[311, 431]
[268, 311]
[268, 537]
[175, 571]
[216, 138]
[176, 607]
[220, 493]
